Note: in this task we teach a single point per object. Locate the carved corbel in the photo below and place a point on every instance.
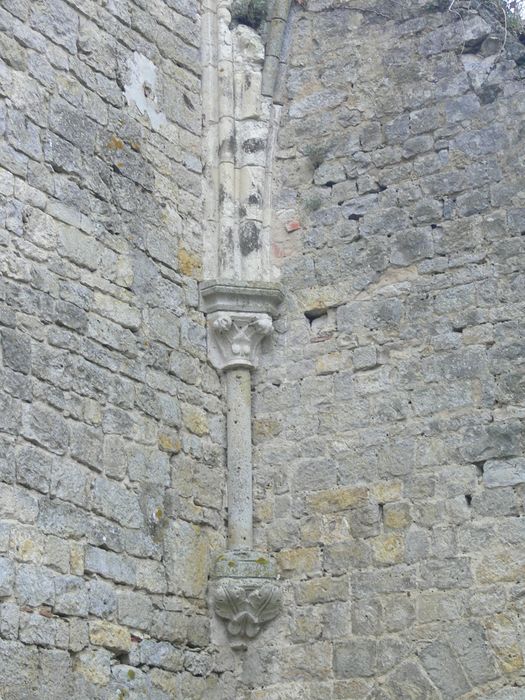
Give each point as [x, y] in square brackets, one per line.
[245, 594]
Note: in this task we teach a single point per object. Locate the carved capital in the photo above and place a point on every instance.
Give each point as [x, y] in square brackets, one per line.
[239, 317]
[234, 339]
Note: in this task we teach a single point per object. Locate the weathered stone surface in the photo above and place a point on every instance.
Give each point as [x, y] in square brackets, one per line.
[94, 665]
[109, 635]
[135, 610]
[110, 565]
[186, 552]
[504, 472]
[7, 577]
[71, 596]
[102, 599]
[388, 436]
[355, 659]
[435, 658]
[35, 585]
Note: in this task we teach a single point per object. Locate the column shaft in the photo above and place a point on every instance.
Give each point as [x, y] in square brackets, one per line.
[240, 489]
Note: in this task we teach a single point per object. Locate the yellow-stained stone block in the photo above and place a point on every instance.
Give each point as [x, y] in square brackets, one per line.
[334, 500]
[397, 516]
[386, 491]
[265, 428]
[189, 263]
[195, 420]
[503, 637]
[510, 658]
[263, 511]
[322, 590]
[107, 634]
[388, 549]
[165, 681]
[27, 546]
[94, 666]
[302, 562]
[115, 143]
[169, 443]
[503, 565]
[355, 689]
[329, 363]
[326, 529]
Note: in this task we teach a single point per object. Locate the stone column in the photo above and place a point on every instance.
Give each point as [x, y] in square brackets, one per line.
[240, 496]
[240, 317]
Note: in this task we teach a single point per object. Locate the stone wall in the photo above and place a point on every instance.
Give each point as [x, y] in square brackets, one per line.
[111, 425]
[388, 420]
[388, 445]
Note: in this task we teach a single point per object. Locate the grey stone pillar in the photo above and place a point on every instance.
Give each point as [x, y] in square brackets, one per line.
[239, 318]
[240, 496]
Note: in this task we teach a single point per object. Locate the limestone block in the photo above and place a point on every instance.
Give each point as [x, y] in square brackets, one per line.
[388, 549]
[116, 502]
[161, 654]
[94, 666]
[16, 350]
[35, 585]
[134, 610]
[338, 499]
[110, 565]
[109, 635]
[251, 142]
[500, 472]
[355, 658]
[322, 590]
[438, 656]
[71, 596]
[102, 599]
[9, 620]
[47, 427]
[504, 640]
[7, 577]
[39, 630]
[186, 558]
[300, 562]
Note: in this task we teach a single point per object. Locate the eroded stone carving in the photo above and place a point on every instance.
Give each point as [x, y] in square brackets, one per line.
[245, 593]
[235, 338]
[247, 610]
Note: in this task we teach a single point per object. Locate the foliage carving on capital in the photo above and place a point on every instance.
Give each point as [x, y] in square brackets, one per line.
[234, 339]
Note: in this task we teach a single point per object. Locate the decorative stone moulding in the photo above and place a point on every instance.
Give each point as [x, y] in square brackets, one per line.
[248, 297]
[244, 593]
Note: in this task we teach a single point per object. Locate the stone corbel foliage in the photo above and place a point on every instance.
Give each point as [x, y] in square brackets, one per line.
[246, 609]
[245, 593]
[235, 338]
